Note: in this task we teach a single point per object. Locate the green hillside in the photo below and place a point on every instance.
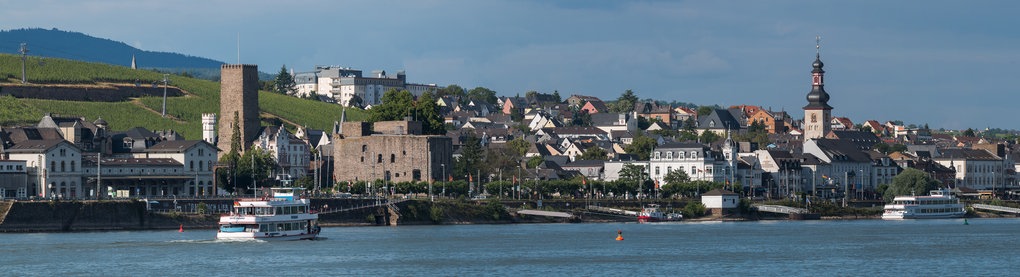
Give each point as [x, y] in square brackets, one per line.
[203, 98]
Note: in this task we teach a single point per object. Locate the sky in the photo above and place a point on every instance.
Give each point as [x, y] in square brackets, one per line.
[948, 64]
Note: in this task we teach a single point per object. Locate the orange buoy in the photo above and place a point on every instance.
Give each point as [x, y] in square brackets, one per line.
[619, 235]
[181, 230]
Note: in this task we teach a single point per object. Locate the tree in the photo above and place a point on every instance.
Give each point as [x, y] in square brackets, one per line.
[641, 146]
[676, 176]
[396, 104]
[705, 110]
[470, 158]
[632, 172]
[581, 118]
[709, 137]
[535, 161]
[594, 153]
[235, 135]
[482, 94]
[516, 114]
[500, 159]
[909, 182]
[519, 145]
[556, 95]
[625, 103]
[428, 113]
[969, 133]
[451, 90]
[284, 82]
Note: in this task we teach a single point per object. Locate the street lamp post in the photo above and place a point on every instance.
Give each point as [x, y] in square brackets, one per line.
[846, 181]
[444, 178]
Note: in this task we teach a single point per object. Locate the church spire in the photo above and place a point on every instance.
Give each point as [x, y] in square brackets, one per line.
[818, 98]
[817, 113]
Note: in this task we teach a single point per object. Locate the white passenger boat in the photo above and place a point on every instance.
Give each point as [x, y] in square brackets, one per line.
[939, 204]
[283, 215]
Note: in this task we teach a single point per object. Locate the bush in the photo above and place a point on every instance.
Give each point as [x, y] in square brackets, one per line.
[694, 209]
[436, 213]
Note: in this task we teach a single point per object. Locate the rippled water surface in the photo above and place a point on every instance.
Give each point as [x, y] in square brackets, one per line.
[985, 247]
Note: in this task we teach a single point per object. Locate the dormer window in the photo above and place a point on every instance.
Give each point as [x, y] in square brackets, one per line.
[656, 155]
[669, 155]
[694, 155]
[681, 153]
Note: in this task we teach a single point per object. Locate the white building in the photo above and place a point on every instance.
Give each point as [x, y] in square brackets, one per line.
[698, 161]
[291, 153]
[13, 179]
[197, 158]
[53, 167]
[975, 168]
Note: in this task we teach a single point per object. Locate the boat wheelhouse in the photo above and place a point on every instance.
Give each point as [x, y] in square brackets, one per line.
[282, 215]
[938, 204]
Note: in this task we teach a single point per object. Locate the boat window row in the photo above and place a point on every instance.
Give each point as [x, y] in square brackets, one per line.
[937, 211]
[278, 227]
[282, 210]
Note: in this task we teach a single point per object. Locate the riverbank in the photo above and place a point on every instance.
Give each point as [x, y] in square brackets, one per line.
[70, 216]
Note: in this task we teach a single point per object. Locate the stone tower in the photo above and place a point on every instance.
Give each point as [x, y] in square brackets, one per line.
[817, 113]
[239, 94]
[209, 128]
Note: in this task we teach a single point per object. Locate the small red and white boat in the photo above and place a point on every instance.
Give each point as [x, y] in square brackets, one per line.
[652, 213]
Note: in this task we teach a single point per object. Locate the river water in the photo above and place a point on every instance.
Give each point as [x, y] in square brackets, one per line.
[984, 247]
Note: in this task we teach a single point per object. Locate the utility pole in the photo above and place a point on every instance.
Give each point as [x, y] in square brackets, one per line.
[99, 175]
[165, 81]
[24, 57]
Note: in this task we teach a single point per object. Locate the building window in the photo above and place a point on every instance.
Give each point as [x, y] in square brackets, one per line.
[72, 166]
[694, 155]
[379, 159]
[656, 155]
[669, 155]
[656, 170]
[364, 148]
[62, 168]
[393, 158]
[681, 153]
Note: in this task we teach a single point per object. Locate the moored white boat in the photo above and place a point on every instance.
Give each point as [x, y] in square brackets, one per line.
[283, 215]
[651, 213]
[938, 204]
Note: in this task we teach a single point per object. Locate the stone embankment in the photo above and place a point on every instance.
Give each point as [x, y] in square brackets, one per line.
[62, 216]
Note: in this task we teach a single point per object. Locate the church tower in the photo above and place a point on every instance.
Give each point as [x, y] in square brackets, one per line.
[817, 113]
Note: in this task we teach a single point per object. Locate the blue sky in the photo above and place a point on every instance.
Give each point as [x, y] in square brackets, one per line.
[950, 64]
